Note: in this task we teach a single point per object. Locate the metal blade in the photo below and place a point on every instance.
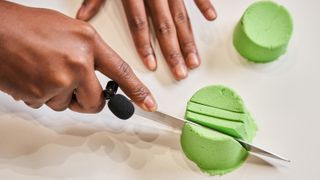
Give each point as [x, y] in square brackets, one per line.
[179, 122]
[259, 151]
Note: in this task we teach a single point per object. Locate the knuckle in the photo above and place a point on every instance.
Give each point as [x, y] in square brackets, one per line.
[37, 93]
[174, 58]
[125, 71]
[16, 98]
[79, 63]
[36, 107]
[137, 23]
[83, 65]
[63, 80]
[140, 93]
[95, 108]
[87, 30]
[189, 46]
[145, 50]
[165, 27]
[58, 108]
[180, 18]
[33, 104]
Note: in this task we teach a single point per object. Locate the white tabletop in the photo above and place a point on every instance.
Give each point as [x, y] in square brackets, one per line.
[283, 97]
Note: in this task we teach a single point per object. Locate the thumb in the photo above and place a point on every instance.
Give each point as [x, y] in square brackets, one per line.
[89, 9]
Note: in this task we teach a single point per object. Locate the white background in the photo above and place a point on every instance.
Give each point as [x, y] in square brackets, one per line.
[283, 97]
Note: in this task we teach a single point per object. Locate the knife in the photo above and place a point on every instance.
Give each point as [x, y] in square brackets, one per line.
[124, 108]
[176, 122]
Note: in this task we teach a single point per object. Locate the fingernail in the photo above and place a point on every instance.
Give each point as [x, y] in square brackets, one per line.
[193, 60]
[210, 14]
[149, 104]
[150, 61]
[181, 72]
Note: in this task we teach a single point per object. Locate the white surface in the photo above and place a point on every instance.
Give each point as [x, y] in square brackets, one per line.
[282, 96]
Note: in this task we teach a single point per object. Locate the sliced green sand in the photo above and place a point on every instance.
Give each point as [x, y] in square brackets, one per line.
[264, 31]
[219, 108]
[235, 129]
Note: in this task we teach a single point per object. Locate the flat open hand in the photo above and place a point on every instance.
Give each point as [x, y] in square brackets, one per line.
[173, 29]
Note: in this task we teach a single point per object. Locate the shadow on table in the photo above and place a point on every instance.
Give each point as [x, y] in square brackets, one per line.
[24, 138]
[28, 144]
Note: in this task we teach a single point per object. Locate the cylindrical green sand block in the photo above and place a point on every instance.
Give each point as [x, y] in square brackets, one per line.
[219, 108]
[263, 33]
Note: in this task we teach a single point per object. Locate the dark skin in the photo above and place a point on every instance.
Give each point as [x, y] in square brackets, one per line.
[45, 62]
[172, 25]
[49, 58]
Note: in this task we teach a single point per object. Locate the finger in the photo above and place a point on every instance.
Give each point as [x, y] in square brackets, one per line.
[111, 65]
[167, 37]
[89, 9]
[34, 104]
[138, 24]
[184, 32]
[206, 9]
[88, 96]
[61, 101]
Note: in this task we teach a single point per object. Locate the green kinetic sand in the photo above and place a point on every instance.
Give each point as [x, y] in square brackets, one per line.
[219, 108]
[264, 31]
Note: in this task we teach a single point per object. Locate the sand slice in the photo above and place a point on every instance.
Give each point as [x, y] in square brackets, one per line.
[216, 112]
[220, 98]
[235, 129]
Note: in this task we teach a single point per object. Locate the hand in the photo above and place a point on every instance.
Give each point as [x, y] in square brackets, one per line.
[173, 29]
[49, 58]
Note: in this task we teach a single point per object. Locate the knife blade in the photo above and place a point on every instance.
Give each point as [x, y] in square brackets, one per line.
[176, 122]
